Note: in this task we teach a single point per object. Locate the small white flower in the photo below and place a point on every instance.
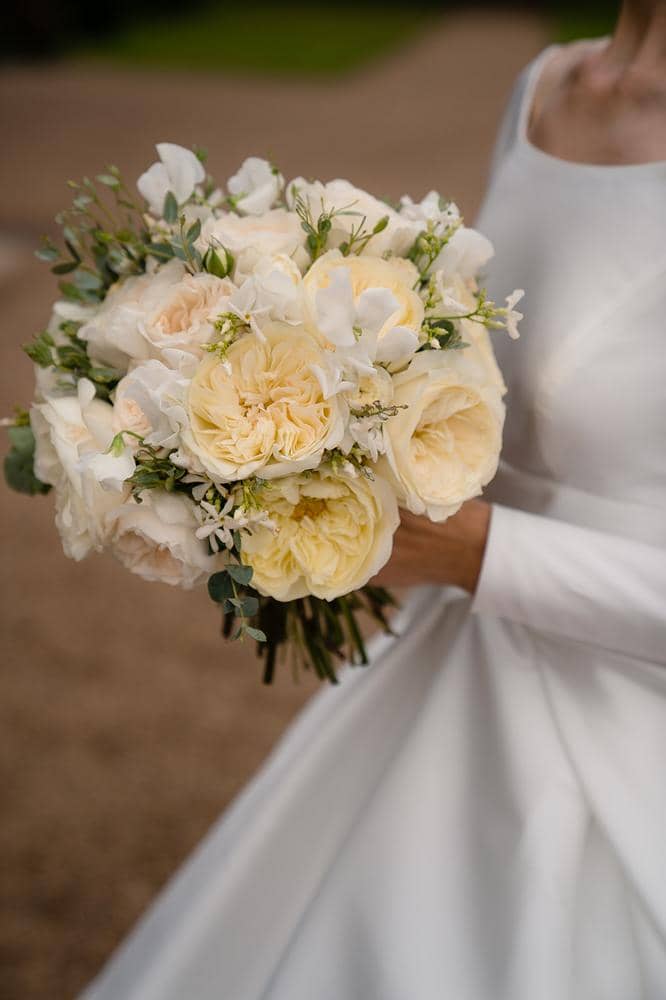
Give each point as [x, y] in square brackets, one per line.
[432, 209]
[179, 172]
[513, 317]
[256, 186]
[466, 253]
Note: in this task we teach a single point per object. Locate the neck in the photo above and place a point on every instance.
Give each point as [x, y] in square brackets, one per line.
[639, 39]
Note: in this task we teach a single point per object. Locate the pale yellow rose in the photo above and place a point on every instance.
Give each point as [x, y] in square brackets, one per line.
[444, 447]
[332, 534]
[262, 410]
[397, 275]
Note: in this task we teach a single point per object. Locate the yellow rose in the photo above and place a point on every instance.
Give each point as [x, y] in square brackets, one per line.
[397, 275]
[444, 447]
[262, 409]
[332, 534]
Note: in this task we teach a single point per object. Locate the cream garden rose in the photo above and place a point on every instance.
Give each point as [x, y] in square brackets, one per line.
[157, 540]
[148, 315]
[444, 446]
[261, 410]
[331, 534]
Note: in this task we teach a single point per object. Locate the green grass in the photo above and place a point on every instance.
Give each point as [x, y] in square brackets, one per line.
[571, 23]
[277, 40]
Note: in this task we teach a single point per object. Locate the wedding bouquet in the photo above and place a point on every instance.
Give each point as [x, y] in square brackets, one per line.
[245, 385]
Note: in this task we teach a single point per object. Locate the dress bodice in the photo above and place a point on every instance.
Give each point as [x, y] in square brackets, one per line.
[585, 437]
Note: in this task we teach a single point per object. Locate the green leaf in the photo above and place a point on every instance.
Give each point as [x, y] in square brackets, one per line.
[249, 606]
[109, 180]
[256, 634]
[194, 232]
[41, 350]
[170, 210]
[381, 225]
[220, 587]
[47, 251]
[66, 268]
[240, 573]
[19, 463]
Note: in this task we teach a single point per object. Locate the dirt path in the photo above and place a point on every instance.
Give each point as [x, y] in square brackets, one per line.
[127, 725]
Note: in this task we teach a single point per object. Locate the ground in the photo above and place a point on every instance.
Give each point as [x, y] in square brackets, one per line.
[127, 723]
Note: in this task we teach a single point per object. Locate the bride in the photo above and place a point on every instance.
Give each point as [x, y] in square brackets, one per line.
[481, 815]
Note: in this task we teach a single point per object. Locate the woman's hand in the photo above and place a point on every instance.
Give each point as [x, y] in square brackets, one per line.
[447, 554]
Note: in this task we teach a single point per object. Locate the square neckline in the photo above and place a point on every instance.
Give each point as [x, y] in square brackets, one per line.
[534, 76]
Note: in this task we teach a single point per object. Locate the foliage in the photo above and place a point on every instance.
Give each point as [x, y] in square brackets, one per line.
[319, 635]
[71, 359]
[19, 461]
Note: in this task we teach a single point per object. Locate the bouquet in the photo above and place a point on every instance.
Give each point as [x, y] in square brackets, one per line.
[244, 385]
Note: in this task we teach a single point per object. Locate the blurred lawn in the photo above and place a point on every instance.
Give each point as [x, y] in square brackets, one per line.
[280, 39]
[297, 39]
[583, 21]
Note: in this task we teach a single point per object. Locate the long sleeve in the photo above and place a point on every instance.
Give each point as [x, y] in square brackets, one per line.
[571, 581]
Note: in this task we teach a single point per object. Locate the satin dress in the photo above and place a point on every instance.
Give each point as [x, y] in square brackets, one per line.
[481, 814]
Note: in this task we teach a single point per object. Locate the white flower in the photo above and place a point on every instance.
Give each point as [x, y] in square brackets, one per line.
[219, 526]
[513, 317]
[272, 292]
[157, 539]
[466, 253]
[72, 434]
[262, 409]
[150, 402]
[331, 533]
[431, 210]
[367, 309]
[443, 448]
[179, 172]
[252, 238]
[145, 316]
[358, 207]
[366, 425]
[256, 186]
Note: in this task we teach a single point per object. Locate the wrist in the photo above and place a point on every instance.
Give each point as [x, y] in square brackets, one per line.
[468, 533]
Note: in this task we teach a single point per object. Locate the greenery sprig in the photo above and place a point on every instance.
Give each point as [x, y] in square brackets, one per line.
[20, 460]
[70, 358]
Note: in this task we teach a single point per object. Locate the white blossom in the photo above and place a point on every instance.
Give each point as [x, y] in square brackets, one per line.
[256, 186]
[178, 171]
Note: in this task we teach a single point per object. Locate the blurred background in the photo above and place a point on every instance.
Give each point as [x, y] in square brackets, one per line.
[127, 723]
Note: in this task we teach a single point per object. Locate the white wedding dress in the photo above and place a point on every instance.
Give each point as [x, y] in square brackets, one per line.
[481, 814]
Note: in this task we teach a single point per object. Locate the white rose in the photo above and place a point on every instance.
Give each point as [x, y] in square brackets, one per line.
[251, 238]
[178, 171]
[72, 434]
[262, 409]
[157, 540]
[444, 447]
[332, 534]
[144, 316]
[359, 207]
[256, 186]
[150, 402]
